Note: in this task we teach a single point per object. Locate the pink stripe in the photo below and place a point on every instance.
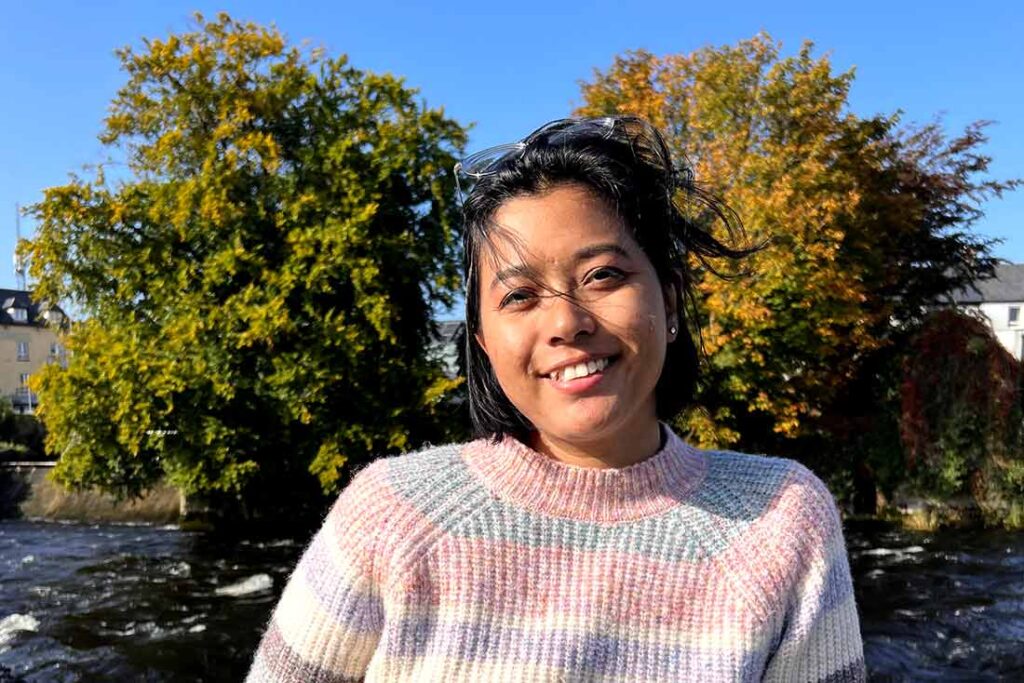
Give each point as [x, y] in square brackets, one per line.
[375, 519]
[781, 545]
[510, 579]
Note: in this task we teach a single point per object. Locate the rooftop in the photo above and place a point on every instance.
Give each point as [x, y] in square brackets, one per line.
[18, 298]
[1006, 286]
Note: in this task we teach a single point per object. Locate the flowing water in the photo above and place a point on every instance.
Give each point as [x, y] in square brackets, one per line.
[137, 603]
[943, 606]
[133, 603]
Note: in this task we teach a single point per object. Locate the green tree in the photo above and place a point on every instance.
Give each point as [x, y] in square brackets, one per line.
[867, 223]
[257, 282]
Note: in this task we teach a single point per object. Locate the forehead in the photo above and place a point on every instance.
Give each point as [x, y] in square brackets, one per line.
[552, 226]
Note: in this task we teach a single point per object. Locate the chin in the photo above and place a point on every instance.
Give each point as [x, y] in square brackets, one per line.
[582, 427]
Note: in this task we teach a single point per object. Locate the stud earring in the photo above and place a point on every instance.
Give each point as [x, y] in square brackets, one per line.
[672, 330]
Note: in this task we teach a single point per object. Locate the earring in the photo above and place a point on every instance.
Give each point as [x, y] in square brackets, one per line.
[672, 330]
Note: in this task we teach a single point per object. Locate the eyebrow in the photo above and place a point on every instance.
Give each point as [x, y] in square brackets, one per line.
[584, 254]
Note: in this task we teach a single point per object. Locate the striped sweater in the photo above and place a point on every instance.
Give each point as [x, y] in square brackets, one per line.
[492, 562]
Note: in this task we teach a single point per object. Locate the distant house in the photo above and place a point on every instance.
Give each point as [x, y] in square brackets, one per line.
[445, 346]
[1000, 300]
[28, 341]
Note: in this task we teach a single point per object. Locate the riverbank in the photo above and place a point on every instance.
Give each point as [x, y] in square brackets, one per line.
[925, 513]
[27, 492]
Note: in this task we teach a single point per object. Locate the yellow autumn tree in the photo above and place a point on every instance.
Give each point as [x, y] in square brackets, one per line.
[865, 222]
[258, 283]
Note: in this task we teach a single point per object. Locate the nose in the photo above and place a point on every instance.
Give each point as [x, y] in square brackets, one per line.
[567, 320]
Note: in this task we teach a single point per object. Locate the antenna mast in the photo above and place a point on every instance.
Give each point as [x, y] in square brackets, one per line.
[19, 264]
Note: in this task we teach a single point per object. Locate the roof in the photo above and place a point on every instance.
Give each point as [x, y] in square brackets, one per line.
[446, 345]
[19, 298]
[448, 330]
[1007, 285]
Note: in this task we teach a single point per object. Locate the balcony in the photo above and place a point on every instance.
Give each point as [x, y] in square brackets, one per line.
[24, 400]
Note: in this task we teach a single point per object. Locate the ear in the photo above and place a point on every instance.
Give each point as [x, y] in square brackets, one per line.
[479, 337]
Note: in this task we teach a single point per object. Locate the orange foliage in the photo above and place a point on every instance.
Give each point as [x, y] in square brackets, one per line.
[853, 210]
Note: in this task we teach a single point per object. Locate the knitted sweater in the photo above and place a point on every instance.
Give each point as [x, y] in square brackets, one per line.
[492, 562]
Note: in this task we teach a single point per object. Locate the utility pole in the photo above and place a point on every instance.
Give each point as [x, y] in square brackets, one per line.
[19, 264]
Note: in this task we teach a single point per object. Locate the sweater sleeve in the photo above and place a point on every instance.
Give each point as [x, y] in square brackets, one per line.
[328, 621]
[820, 639]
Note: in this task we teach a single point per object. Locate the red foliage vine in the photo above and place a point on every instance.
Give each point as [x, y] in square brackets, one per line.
[956, 370]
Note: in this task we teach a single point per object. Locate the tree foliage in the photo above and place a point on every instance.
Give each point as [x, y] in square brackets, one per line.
[867, 222]
[961, 418]
[257, 277]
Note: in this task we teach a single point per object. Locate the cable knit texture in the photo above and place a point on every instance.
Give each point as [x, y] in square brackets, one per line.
[492, 562]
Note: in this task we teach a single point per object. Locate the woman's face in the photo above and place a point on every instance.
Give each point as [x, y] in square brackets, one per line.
[573, 318]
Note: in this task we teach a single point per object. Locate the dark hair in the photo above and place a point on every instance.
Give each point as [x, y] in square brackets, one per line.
[625, 162]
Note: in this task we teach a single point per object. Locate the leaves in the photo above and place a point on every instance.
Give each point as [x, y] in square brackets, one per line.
[258, 288]
[867, 224]
[960, 399]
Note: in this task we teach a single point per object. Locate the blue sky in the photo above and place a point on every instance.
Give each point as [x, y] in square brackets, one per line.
[509, 66]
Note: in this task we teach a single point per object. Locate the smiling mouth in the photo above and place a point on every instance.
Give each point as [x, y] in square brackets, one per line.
[580, 370]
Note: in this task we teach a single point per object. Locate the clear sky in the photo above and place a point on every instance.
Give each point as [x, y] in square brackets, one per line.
[509, 66]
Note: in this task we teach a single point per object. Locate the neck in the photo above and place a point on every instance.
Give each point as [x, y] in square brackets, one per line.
[532, 480]
[626, 448]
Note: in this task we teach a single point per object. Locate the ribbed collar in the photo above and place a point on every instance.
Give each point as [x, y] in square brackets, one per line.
[524, 477]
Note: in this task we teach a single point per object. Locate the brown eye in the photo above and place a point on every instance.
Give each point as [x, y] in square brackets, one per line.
[605, 274]
[516, 297]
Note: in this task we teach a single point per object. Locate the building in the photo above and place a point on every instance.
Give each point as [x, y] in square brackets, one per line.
[445, 346]
[28, 341]
[1001, 301]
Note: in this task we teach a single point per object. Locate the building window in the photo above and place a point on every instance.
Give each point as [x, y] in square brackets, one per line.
[1014, 317]
[24, 379]
[20, 315]
[54, 349]
[22, 350]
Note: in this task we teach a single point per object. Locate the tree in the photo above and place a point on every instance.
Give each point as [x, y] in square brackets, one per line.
[257, 283]
[961, 419]
[867, 223]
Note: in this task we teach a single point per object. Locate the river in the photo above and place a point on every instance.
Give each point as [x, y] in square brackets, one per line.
[139, 603]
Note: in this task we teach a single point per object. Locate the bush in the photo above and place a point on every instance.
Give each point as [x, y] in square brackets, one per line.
[21, 436]
[961, 416]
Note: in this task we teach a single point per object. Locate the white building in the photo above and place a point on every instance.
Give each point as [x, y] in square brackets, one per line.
[1001, 301]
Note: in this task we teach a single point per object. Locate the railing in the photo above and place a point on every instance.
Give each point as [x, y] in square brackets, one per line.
[22, 396]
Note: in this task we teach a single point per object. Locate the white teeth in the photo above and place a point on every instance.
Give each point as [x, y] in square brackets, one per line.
[579, 370]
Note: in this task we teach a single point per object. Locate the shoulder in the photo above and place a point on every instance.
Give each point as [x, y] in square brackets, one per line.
[779, 520]
[397, 506]
[376, 487]
[415, 475]
[748, 472]
[422, 465]
[766, 503]
[756, 488]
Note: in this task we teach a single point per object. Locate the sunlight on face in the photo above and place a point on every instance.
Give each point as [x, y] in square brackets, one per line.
[573, 319]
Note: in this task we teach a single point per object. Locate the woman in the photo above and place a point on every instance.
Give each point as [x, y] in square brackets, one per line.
[579, 538]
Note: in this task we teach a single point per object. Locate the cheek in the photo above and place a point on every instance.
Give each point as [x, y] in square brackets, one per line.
[508, 349]
[645, 333]
[657, 322]
[640, 323]
[650, 336]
